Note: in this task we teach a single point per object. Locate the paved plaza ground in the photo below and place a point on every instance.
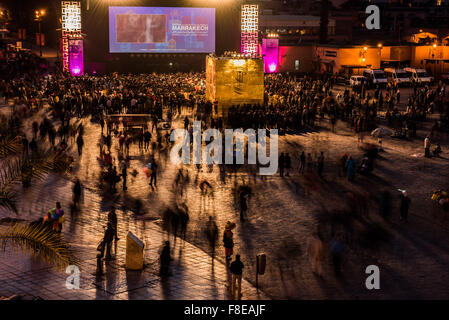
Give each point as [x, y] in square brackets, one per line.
[283, 213]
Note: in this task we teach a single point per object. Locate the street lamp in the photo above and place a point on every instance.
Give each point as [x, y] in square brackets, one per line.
[38, 15]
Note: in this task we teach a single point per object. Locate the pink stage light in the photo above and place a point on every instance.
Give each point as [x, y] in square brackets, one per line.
[272, 67]
[76, 70]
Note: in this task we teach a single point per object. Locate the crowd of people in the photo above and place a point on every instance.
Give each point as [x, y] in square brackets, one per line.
[291, 104]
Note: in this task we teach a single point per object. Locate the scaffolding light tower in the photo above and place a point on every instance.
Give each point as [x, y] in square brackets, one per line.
[250, 29]
[71, 29]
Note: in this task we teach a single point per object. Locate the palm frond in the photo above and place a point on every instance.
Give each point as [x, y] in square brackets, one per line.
[9, 145]
[40, 241]
[26, 168]
[10, 172]
[8, 199]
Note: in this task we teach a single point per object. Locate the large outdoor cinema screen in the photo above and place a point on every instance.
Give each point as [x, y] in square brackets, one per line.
[161, 30]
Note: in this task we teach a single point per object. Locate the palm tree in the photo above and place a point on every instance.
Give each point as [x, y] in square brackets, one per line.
[15, 167]
[18, 167]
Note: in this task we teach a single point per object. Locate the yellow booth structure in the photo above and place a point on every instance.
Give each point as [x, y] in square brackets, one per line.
[234, 80]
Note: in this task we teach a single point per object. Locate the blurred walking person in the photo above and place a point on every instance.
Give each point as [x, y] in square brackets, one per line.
[212, 235]
[112, 219]
[80, 143]
[288, 164]
[228, 241]
[76, 193]
[302, 162]
[165, 259]
[281, 164]
[315, 253]
[337, 247]
[405, 203]
[320, 164]
[236, 270]
[427, 147]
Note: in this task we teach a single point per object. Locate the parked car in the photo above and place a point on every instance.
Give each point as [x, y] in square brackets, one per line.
[356, 80]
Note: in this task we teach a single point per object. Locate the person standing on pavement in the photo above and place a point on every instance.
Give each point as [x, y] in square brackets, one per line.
[342, 165]
[228, 241]
[309, 162]
[350, 168]
[58, 218]
[102, 124]
[165, 259]
[212, 234]
[243, 205]
[427, 147]
[124, 176]
[281, 164]
[405, 203]
[108, 141]
[288, 163]
[337, 247]
[141, 138]
[147, 139]
[316, 255]
[320, 164]
[302, 162]
[107, 241]
[80, 143]
[153, 177]
[112, 219]
[76, 192]
[236, 270]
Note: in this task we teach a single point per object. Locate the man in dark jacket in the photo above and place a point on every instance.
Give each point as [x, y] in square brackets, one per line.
[237, 270]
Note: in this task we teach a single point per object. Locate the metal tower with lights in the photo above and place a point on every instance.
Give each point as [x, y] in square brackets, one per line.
[250, 29]
[72, 38]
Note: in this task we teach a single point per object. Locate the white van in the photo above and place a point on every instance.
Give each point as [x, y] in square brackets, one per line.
[375, 76]
[419, 75]
[397, 75]
[356, 80]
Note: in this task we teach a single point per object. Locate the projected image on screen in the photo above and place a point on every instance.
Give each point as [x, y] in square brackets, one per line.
[157, 29]
[141, 28]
